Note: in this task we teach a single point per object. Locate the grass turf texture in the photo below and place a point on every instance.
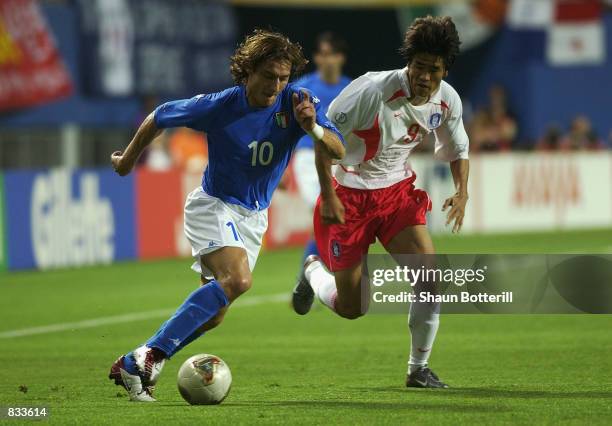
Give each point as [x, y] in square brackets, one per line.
[317, 369]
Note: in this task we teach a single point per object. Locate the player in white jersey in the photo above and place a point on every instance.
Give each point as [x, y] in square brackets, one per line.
[383, 116]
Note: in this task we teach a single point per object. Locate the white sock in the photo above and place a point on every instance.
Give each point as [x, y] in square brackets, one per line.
[423, 320]
[323, 284]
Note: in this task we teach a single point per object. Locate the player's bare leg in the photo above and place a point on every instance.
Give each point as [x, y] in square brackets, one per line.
[230, 267]
[424, 318]
[237, 277]
[411, 240]
[341, 291]
[235, 280]
[350, 298]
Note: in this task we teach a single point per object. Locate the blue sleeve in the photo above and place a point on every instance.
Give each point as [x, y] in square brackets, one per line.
[303, 81]
[196, 113]
[322, 119]
[300, 82]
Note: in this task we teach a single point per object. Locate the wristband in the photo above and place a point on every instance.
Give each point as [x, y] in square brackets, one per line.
[317, 132]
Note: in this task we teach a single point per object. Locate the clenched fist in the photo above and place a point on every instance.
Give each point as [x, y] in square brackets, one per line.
[121, 164]
[304, 111]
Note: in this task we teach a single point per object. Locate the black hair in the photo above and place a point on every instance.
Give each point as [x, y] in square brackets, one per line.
[434, 35]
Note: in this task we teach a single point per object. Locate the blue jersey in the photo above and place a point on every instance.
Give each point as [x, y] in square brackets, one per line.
[325, 92]
[248, 148]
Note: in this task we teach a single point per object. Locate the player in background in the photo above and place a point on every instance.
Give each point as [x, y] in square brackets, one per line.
[252, 130]
[383, 116]
[327, 82]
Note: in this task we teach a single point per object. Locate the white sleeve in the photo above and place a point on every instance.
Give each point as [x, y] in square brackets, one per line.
[356, 106]
[457, 145]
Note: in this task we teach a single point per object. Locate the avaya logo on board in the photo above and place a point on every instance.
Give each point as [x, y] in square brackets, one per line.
[547, 182]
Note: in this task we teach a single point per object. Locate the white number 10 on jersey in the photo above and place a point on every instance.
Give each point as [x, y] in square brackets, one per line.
[262, 153]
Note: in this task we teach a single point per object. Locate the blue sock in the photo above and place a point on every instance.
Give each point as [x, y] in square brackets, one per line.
[193, 336]
[311, 248]
[198, 308]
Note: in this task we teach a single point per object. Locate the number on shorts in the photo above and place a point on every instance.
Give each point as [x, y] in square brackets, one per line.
[233, 228]
[262, 152]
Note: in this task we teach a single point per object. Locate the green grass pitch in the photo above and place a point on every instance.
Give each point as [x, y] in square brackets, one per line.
[317, 369]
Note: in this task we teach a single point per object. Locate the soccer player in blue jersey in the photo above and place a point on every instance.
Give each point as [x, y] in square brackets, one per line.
[252, 130]
[327, 82]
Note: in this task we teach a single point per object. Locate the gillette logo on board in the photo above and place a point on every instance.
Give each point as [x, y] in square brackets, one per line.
[68, 229]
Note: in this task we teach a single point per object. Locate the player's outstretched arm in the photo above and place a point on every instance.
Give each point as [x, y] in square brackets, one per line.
[460, 170]
[331, 208]
[331, 144]
[123, 162]
[306, 115]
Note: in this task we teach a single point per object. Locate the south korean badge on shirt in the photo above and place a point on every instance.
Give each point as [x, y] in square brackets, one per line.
[435, 120]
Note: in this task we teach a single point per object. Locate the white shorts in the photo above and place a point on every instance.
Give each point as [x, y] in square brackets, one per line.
[211, 224]
[306, 175]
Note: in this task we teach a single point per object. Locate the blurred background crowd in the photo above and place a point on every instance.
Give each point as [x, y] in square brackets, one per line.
[493, 127]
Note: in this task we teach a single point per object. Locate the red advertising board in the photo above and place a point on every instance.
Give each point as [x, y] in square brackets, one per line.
[159, 213]
[31, 70]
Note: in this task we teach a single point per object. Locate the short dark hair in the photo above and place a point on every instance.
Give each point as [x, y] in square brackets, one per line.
[337, 43]
[262, 46]
[434, 35]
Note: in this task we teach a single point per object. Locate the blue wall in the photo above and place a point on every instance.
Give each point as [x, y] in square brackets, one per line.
[559, 94]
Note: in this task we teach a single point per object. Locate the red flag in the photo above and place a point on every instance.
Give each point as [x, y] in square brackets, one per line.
[577, 10]
[577, 35]
[31, 70]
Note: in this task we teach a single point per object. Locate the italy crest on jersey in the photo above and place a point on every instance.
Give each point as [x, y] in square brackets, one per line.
[282, 119]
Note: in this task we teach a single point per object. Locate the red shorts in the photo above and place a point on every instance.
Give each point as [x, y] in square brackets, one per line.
[369, 214]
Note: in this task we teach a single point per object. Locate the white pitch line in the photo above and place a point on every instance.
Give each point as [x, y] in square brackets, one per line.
[139, 316]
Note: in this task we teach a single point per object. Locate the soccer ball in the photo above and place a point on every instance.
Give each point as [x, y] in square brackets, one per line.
[204, 379]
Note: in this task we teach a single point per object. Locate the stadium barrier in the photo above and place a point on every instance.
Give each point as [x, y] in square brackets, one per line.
[526, 191]
[62, 217]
